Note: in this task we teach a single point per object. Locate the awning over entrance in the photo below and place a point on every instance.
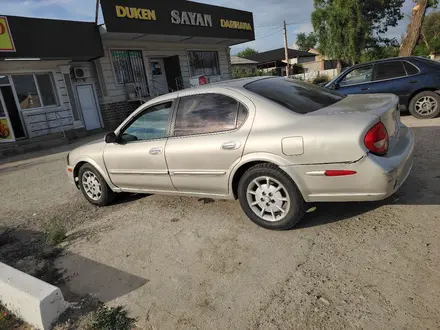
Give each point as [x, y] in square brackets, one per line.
[175, 21]
[49, 39]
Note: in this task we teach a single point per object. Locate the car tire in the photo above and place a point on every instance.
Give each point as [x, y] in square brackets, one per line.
[263, 201]
[425, 105]
[94, 187]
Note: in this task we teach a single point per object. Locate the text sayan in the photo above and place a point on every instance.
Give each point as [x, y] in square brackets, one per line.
[189, 18]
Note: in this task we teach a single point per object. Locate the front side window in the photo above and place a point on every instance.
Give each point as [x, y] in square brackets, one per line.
[149, 125]
[208, 113]
[204, 63]
[390, 70]
[295, 95]
[358, 76]
[35, 90]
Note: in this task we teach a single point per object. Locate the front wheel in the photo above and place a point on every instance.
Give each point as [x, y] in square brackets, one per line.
[270, 198]
[425, 105]
[94, 187]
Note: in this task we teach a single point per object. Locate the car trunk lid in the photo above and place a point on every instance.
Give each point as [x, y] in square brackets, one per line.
[383, 106]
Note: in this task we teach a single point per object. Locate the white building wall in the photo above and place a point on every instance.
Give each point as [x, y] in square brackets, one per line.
[49, 119]
[117, 92]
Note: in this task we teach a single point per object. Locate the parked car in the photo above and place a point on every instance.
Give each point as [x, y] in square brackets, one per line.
[415, 80]
[275, 144]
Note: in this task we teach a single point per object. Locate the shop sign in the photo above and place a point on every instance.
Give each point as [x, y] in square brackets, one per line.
[182, 18]
[6, 41]
[6, 134]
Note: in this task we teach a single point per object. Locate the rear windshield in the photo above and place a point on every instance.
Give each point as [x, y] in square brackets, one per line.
[294, 95]
[432, 63]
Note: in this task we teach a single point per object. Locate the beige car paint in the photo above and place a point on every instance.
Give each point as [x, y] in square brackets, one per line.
[198, 166]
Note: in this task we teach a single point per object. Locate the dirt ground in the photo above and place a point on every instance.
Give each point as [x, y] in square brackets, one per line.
[188, 263]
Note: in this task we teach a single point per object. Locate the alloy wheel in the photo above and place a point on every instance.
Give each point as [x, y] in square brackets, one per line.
[426, 105]
[91, 185]
[268, 198]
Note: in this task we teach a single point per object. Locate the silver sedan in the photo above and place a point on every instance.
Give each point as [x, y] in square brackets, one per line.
[274, 144]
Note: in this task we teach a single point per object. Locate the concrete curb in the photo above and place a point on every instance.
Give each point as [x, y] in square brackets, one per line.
[36, 302]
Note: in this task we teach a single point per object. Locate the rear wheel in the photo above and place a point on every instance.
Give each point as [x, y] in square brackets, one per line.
[270, 198]
[425, 105]
[94, 187]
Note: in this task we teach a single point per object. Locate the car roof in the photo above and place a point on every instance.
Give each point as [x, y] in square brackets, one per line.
[233, 83]
[391, 59]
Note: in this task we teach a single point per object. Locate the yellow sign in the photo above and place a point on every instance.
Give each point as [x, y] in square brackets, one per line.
[6, 41]
[136, 13]
[235, 25]
[5, 131]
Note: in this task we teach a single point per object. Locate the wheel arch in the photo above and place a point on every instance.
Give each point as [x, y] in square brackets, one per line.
[426, 89]
[249, 161]
[79, 163]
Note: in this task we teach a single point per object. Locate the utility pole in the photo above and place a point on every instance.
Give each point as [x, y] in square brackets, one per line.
[286, 49]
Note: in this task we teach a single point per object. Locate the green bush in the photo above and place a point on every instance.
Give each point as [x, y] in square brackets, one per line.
[55, 232]
[320, 79]
[111, 318]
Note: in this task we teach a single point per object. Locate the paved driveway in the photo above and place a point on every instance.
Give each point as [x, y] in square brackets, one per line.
[185, 263]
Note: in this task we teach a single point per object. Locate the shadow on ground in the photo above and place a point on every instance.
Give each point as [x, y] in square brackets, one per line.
[83, 281]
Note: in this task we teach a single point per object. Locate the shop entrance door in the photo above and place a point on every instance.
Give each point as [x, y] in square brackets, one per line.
[89, 108]
[11, 111]
[159, 77]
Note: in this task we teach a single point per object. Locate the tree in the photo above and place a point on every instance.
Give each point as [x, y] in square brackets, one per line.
[415, 26]
[381, 14]
[345, 28]
[340, 30]
[247, 52]
[430, 35]
[378, 53]
[305, 42]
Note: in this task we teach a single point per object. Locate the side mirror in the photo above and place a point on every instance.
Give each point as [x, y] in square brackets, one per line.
[111, 137]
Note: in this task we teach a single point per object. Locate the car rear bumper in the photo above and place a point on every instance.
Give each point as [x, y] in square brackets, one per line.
[377, 177]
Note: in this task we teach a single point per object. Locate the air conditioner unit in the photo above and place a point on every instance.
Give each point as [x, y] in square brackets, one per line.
[81, 73]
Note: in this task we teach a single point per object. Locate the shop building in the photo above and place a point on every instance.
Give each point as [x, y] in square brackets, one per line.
[38, 94]
[76, 75]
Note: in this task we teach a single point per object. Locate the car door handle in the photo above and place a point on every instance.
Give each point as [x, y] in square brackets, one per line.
[365, 89]
[155, 151]
[413, 81]
[230, 145]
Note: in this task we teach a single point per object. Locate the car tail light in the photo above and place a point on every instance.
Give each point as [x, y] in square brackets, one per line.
[202, 80]
[376, 140]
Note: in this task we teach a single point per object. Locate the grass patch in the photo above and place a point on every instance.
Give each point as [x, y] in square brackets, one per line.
[8, 320]
[111, 318]
[55, 232]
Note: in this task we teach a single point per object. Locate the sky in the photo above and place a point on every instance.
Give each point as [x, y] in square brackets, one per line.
[268, 16]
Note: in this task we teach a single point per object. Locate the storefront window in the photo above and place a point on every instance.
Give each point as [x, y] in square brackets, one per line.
[46, 87]
[2, 111]
[29, 96]
[128, 66]
[204, 63]
[26, 91]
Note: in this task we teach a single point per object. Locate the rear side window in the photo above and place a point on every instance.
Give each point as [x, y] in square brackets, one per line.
[208, 113]
[410, 68]
[295, 95]
[389, 70]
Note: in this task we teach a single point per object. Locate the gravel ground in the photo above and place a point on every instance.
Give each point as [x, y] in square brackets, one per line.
[188, 263]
